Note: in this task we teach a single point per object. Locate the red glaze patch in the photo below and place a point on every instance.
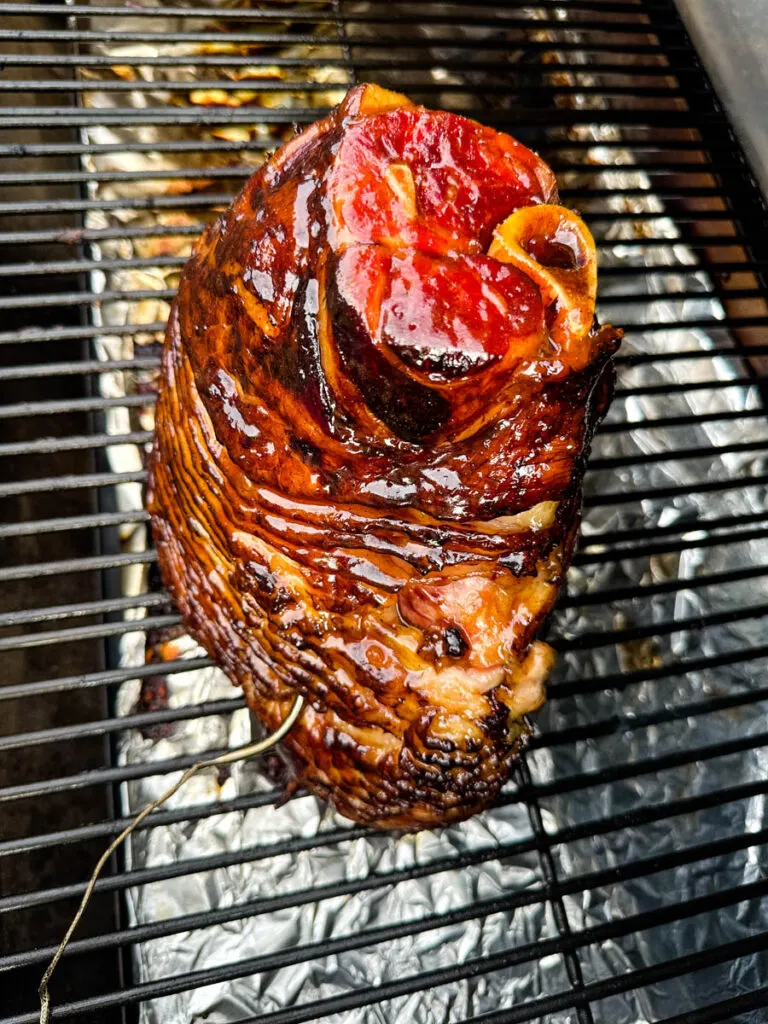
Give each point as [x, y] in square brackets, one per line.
[467, 179]
[442, 316]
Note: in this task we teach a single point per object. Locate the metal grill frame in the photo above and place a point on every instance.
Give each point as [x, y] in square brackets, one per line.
[52, 298]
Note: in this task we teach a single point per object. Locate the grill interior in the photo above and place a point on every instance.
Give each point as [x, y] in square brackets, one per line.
[642, 794]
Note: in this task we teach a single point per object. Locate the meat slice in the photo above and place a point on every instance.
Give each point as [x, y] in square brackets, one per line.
[380, 380]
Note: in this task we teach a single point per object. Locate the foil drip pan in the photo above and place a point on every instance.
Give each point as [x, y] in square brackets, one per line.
[487, 875]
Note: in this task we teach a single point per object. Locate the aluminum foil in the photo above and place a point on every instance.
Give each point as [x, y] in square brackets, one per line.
[486, 874]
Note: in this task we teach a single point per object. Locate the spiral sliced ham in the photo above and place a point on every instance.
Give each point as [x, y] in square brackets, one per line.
[380, 380]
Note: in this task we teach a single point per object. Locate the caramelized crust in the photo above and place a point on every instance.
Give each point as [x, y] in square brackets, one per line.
[371, 435]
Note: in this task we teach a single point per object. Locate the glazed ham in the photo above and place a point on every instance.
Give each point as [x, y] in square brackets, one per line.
[380, 380]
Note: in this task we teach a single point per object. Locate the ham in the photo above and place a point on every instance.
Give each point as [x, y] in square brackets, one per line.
[380, 380]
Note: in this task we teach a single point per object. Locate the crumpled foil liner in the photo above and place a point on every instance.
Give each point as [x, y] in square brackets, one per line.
[487, 873]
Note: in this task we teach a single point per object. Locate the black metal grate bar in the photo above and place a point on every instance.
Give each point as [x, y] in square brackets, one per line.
[45, 638]
[66, 523]
[20, 572]
[724, 1010]
[638, 979]
[257, 39]
[334, 16]
[597, 827]
[655, 7]
[424, 88]
[483, 908]
[472, 968]
[83, 608]
[91, 680]
[49, 445]
[228, 914]
[574, 783]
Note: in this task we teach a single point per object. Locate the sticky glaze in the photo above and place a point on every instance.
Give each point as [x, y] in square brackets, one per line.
[370, 440]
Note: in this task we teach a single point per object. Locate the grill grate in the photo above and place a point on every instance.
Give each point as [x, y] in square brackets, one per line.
[642, 823]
